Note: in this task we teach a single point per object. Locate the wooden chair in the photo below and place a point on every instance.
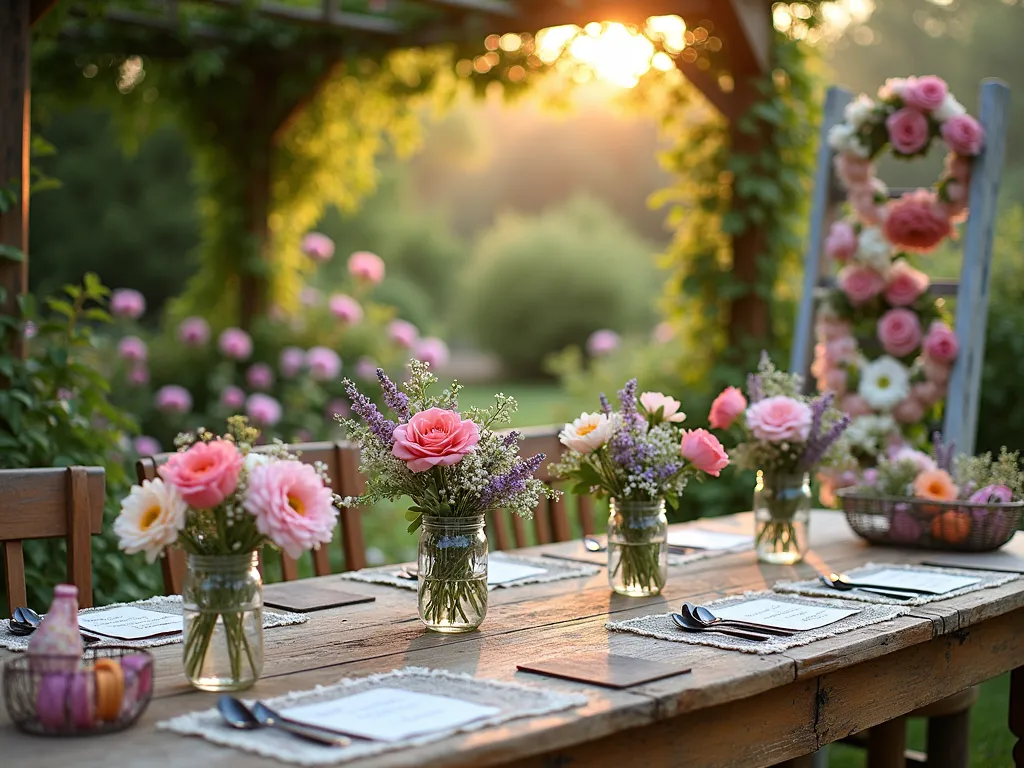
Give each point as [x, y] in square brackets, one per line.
[342, 461]
[51, 503]
[948, 720]
[551, 519]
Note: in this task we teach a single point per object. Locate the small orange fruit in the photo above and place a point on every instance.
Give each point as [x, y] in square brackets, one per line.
[952, 527]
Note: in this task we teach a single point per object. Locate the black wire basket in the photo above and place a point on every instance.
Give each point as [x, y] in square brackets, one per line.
[959, 526]
[51, 696]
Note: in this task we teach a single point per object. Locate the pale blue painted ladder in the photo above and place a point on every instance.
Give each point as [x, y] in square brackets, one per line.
[961, 412]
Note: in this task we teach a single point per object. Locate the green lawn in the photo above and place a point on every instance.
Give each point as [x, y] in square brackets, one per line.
[539, 403]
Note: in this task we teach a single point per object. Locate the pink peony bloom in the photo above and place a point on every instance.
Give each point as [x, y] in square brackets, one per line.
[663, 333]
[126, 302]
[138, 375]
[653, 402]
[925, 93]
[917, 222]
[936, 372]
[324, 364]
[899, 330]
[941, 343]
[309, 297]
[780, 419]
[337, 407]
[292, 506]
[602, 342]
[964, 135]
[318, 247]
[860, 284]
[205, 474]
[345, 308]
[146, 446]
[260, 376]
[366, 369]
[841, 243]
[194, 332]
[433, 351]
[264, 410]
[366, 266]
[173, 399]
[853, 170]
[293, 360]
[909, 411]
[434, 437]
[855, 405]
[235, 344]
[704, 451]
[403, 333]
[908, 131]
[729, 404]
[232, 398]
[906, 284]
[868, 202]
[133, 349]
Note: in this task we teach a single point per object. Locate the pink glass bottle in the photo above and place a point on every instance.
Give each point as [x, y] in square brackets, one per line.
[58, 638]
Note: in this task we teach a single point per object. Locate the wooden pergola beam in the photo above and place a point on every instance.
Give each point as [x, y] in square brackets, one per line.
[538, 14]
[501, 8]
[326, 16]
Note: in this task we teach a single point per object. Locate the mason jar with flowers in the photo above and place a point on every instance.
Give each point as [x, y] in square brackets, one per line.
[785, 437]
[221, 502]
[455, 468]
[640, 457]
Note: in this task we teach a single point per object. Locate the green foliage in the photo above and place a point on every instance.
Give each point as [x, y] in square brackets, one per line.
[539, 284]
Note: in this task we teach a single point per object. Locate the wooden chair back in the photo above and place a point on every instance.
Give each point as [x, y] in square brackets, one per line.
[51, 503]
[342, 462]
[961, 411]
[551, 520]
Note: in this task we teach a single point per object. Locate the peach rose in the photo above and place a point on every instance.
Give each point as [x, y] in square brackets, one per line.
[964, 135]
[860, 284]
[909, 411]
[899, 330]
[936, 372]
[704, 451]
[908, 131]
[926, 93]
[830, 328]
[834, 380]
[855, 405]
[935, 485]
[841, 243]
[434, 437]
[205, 474]
[906, 284]
[941, 343]
[655, 402]
[917, 222]
[853, 170]
[779, 419]
[729, 404]
[867, 201]
[842, 350]
[928, 393]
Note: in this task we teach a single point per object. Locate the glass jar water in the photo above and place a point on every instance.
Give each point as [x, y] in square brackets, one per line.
[452, 584]
[222, 606]
[782, 513]
[637, 547]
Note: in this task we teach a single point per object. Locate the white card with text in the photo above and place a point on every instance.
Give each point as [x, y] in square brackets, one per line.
[126, 622]
[939, 583]
[700, 538]
[783, 615]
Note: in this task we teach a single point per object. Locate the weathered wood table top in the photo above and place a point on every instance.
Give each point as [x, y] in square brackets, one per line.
[732, 709]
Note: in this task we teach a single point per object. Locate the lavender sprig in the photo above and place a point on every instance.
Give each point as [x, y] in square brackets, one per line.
[943, 452]
[396, 400]
[383, 429]
[606, 407]
[500, 487]
[818, 444]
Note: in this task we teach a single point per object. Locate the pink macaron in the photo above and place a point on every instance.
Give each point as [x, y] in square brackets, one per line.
[83, 699]
[52, 700]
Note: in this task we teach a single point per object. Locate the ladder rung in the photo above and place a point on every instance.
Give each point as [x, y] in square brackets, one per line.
[937, 287]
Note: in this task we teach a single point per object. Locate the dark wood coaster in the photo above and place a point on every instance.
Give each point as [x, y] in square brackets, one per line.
[604, 669]
[979, 561]
[302, 597]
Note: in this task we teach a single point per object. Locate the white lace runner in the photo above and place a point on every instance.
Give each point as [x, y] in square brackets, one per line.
[170, 604]
[814, 587]
[662, 627]
[513, 701]
[554, 570]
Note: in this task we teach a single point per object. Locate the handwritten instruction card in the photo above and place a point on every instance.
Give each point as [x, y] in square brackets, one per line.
[502, 571]
[126, 622]
[390, 714]
[783, 615]
[939, 583]
[699, 538]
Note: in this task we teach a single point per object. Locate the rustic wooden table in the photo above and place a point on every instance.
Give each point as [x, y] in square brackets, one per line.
[733, 709]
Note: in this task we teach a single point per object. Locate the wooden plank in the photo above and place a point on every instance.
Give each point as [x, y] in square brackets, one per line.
[754, 17]
[34, 502]
[79, 516]
[321, 562]
[14, 574]
[492, 7]
[560, 528]
[585, 511]
[361, 22]
[289, 568]
[961, 418]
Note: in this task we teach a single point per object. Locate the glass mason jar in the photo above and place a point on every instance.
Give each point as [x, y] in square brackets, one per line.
[222, 606]
[782, 511]
[637, 547]
[452, 573]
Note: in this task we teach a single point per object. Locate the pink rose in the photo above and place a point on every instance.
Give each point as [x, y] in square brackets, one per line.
[941, 344]
[345, 308]
[366, 266]
[853, 170]
[264, 410]
[602, 342]
[917, 222]
[194, 332]
[318, 247]
[925, 93]
[899, 330]
[936, 372]
[860, 284]
[841, 243]
[205, 474]
[432, 351]
[292, 361]
[145, 445]
[964, 135]
[906, 284]
[729, 404]
[235, 344]
[232, 398]
[908, 131]
[133, 349]
[855, 405]
[173, 399]
[292, 506]
[403, 333]
[909, 411]
[867, 201]
[780, 419]
[138, 375]
[260, 376]
[434, 437]
[704, 451]
[324, 364]
[126, 302]
[656, 403]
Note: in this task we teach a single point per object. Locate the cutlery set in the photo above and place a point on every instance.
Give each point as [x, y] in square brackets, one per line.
[245, 718]
[25, 621]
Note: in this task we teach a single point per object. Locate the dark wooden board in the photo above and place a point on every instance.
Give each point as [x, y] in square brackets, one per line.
[605, 669]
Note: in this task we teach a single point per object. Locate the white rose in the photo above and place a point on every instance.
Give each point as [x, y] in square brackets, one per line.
[587, 433]
[859, 111]
[894, 87]
[950, 108]
[253, 460]
[873, 250]
[839, 136]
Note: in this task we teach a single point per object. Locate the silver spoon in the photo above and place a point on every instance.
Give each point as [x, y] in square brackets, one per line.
[239, 716]
[270, 718]
[593, 545]
[844, 582]
[692, 625]
[25, 621]
[875, 591]
[708, 619]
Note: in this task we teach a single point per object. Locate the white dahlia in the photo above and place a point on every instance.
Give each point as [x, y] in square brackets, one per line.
[151, 516]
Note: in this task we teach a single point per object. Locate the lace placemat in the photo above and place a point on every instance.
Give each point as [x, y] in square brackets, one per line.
[987, 579]
[511, 699]
[662, 627]
[162, 604]
[554, 570]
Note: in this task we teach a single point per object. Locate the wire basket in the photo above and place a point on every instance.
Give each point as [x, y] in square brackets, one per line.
[921, 524]
[51, 696]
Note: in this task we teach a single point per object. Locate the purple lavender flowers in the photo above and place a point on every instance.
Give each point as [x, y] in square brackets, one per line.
[819, 441]
[500, 487]
[396, 400]
[382, 428]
